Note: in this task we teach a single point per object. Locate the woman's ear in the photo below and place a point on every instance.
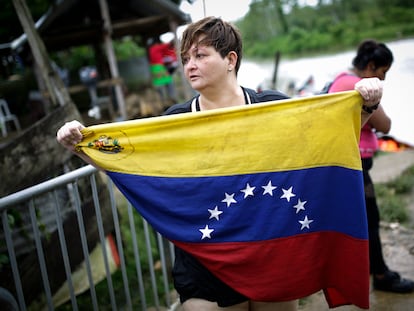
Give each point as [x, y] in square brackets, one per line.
[232, 57]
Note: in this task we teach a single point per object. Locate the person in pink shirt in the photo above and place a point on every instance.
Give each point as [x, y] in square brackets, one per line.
[373, 59]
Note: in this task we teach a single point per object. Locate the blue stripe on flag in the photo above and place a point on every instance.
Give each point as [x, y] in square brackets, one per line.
[251, 207]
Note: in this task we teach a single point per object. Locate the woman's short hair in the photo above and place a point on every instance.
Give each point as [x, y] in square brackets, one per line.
[223, 36]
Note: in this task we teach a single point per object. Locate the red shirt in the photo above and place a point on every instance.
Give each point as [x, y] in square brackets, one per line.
[158, 51]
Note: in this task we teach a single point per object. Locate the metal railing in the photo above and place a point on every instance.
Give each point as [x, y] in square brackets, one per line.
[73, 240]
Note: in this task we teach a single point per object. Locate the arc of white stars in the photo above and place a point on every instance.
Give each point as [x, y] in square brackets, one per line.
[300, 206]
[215, 213]
[287, 194]
[305, 223]
[248, 190]
[229, 199]
[206, 232]
[268, 188]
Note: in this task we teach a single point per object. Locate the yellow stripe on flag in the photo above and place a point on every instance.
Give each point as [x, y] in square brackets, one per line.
[274, 136]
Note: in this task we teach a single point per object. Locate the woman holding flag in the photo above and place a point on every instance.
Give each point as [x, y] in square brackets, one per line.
[211, 53]
[373, 59]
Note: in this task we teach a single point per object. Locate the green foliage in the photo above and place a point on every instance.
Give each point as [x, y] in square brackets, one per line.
[127, 49]
[76, 57]
[391, 206]
[330, 26]
[404, 184]
[392, 197]
[80, 56]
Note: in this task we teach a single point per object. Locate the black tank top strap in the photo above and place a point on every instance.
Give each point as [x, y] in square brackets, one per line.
[195, 104]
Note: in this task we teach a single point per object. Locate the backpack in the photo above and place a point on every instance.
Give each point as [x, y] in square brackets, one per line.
[326, 88]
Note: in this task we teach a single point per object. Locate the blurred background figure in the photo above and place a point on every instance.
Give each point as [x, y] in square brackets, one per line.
[163, 62]
[373, 59]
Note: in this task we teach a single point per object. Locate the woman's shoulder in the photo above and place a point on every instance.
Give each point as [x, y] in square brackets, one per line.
[179, 108]
[346, 75]
[265, 95]
[344, 81]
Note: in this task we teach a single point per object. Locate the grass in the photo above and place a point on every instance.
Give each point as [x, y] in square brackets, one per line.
[393, 198]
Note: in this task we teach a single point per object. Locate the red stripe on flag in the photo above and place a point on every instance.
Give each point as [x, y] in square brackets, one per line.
[290, 268]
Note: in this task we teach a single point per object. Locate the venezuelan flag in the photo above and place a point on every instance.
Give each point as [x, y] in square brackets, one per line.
[269, 196]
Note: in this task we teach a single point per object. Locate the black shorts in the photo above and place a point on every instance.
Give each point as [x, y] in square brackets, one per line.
[193, 280]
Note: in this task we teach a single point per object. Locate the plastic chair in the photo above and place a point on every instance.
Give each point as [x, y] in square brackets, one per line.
[6, 116]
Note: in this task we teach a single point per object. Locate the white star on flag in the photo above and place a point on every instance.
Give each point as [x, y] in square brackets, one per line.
[248, 190]
[215, 213]
[300, 206]
[229, 199]
[305, 223]
[268, 188]
[287, 194]
[206, 232]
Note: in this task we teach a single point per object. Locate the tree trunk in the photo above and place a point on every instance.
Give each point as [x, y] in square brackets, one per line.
[282, 17]
[57, 93]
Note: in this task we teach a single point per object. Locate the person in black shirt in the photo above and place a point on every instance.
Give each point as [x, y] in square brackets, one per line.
[211, 53]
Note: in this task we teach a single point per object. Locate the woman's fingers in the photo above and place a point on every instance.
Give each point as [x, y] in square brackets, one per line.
[70, 134]
[370, 90]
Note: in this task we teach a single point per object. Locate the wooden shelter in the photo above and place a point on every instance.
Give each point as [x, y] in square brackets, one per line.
[66, 24]
[34, 155]
[97, 23]
[71, 23]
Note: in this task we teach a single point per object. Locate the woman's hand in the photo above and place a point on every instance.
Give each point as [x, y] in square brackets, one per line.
[70, 134]
[370, 90]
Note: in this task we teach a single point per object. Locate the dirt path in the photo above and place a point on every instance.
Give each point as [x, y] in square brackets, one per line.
[389, 166]
[397, 240]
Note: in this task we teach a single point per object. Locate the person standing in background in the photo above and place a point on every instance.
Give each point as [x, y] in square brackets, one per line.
[373, 59]
[162, 78]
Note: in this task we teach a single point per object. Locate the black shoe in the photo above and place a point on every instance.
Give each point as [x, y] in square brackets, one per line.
[392, 282]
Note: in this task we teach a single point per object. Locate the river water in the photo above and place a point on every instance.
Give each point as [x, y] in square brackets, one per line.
[398, 94]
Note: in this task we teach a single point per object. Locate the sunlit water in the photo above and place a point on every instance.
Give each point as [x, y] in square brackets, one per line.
[398, 98]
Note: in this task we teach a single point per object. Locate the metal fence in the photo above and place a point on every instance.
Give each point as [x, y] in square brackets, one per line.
[74, 243]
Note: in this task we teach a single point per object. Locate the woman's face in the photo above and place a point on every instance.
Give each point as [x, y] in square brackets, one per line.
[204, 67]
[377, 72]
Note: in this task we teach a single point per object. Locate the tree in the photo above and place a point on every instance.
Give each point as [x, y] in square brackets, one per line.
[331, 25]
[281, 15]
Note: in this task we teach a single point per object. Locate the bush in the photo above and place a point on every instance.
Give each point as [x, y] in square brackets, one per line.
[392, 207]
[392, 197]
